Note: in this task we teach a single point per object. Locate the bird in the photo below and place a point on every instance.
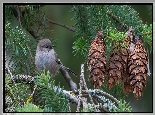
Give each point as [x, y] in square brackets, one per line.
[46, 58]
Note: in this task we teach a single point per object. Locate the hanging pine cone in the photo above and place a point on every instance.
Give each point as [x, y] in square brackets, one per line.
[97, 60]
[137, 65]
[117, 64]
[125, 77]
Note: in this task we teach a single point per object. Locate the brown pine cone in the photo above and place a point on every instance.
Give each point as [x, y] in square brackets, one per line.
[97, 60]
[137, 65]
[117, 65]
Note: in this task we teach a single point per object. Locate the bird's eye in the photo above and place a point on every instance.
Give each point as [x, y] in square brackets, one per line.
[47, 46]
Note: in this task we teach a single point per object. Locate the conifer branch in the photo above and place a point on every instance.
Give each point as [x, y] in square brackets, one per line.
[103, 104]
[16, 13]
[117, 20]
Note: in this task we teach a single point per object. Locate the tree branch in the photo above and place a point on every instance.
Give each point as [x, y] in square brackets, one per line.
[19, 17]
[22, 78]
[102, 103]
[117, 20]
[33, 32]
[16, 14]
[62, 25]
[84, 83]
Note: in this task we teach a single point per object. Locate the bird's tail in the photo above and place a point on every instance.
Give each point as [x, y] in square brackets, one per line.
[67, 69]
[70, 71]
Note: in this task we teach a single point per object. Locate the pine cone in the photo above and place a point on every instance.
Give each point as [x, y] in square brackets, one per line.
[137, 65]
[97, 60]
[117, 65]
[125, 77]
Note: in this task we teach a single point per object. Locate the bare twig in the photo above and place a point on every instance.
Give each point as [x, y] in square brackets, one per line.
[31, 30]
[84, 82]
[35, 87]
[79, 103]
[98, 91]
[148, 73]
[80, 90]
[62, 25]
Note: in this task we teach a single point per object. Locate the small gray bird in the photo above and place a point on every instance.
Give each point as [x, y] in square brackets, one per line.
[47, 58]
